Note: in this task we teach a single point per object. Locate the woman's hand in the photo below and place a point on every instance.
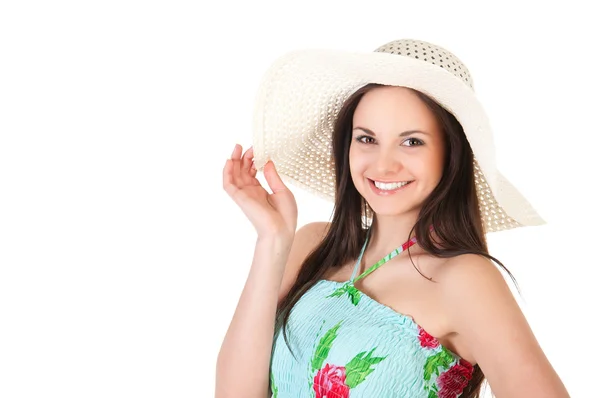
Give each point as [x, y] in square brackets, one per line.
[271, 214]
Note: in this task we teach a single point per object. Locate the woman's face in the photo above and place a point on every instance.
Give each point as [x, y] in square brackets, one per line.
[397, 150]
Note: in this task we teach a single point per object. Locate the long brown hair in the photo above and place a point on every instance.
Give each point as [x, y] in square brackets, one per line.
[452, 207]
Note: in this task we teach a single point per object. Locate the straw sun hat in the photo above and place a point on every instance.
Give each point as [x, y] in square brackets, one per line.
[302, 92]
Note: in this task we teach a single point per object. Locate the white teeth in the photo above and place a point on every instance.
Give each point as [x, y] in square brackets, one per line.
[386, 186]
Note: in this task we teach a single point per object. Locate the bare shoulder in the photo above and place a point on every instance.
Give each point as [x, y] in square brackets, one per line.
[307, 238]
[472, 286]
[492, 329]
[472, 271]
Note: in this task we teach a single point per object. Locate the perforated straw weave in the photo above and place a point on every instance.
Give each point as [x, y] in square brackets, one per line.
[303, 91]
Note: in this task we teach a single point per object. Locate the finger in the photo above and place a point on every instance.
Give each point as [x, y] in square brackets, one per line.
[237, 152]
[235, 168]
[247, 172]
[253, 170]
[273, 178]
[228, 181]
[247, 159]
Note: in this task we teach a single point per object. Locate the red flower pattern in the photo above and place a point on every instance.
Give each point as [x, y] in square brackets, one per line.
[330, 382]
[454, 380]
[427, 340]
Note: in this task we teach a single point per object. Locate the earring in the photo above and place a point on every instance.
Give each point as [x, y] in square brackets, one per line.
[367, 215]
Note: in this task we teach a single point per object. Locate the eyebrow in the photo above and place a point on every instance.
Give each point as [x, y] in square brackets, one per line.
[403, 134]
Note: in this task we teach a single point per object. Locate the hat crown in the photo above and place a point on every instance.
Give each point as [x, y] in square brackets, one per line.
[431, 53]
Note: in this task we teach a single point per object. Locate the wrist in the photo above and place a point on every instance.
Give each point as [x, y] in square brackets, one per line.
[273, 251]
[276, 243]
[280, 240]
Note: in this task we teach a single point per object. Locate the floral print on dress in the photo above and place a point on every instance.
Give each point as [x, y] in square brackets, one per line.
[348, 287]
[427, 340]
[331, 379]
[452, 377]
[274, 389]
[444, 374]
[453, 381]
[336, 381]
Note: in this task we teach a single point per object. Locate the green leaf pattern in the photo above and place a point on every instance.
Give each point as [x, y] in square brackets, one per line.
[436, 365]
[442, 359]
[359, 368]
[273, 387]
[348, 288]
[324, 346]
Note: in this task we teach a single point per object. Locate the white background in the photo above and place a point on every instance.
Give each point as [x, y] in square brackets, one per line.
[121, 257]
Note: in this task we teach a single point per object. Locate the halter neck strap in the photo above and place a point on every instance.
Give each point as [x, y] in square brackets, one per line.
[360, 256]
[384, 260]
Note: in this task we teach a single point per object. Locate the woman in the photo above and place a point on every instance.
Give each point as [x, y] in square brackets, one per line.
[399, 141]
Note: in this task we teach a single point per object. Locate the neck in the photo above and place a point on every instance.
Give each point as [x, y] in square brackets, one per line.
[389, 232]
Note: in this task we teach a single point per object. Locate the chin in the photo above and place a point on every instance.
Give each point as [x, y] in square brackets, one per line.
[394, 210]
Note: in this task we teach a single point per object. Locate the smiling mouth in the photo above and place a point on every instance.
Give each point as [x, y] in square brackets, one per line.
[385, 187]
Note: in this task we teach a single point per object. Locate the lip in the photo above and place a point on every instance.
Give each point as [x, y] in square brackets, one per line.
[381, 192]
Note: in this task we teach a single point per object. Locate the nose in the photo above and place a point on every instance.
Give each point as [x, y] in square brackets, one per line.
[388, 162]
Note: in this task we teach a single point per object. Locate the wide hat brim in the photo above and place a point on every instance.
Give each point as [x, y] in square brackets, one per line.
[302, 92]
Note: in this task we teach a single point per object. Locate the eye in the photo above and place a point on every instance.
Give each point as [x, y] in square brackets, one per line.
[365, 139]
[413, 142]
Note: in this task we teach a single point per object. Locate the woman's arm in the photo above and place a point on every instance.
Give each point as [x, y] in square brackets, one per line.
[244, 358]
[489, 322]
[245, 355]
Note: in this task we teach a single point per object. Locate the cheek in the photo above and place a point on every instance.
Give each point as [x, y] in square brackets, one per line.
[354, 170]
[357, 167]
[436, 167]
[429, 168]
[360, 157]
[353, 160]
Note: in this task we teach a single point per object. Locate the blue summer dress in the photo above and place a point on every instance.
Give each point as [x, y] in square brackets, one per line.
[346, 344]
